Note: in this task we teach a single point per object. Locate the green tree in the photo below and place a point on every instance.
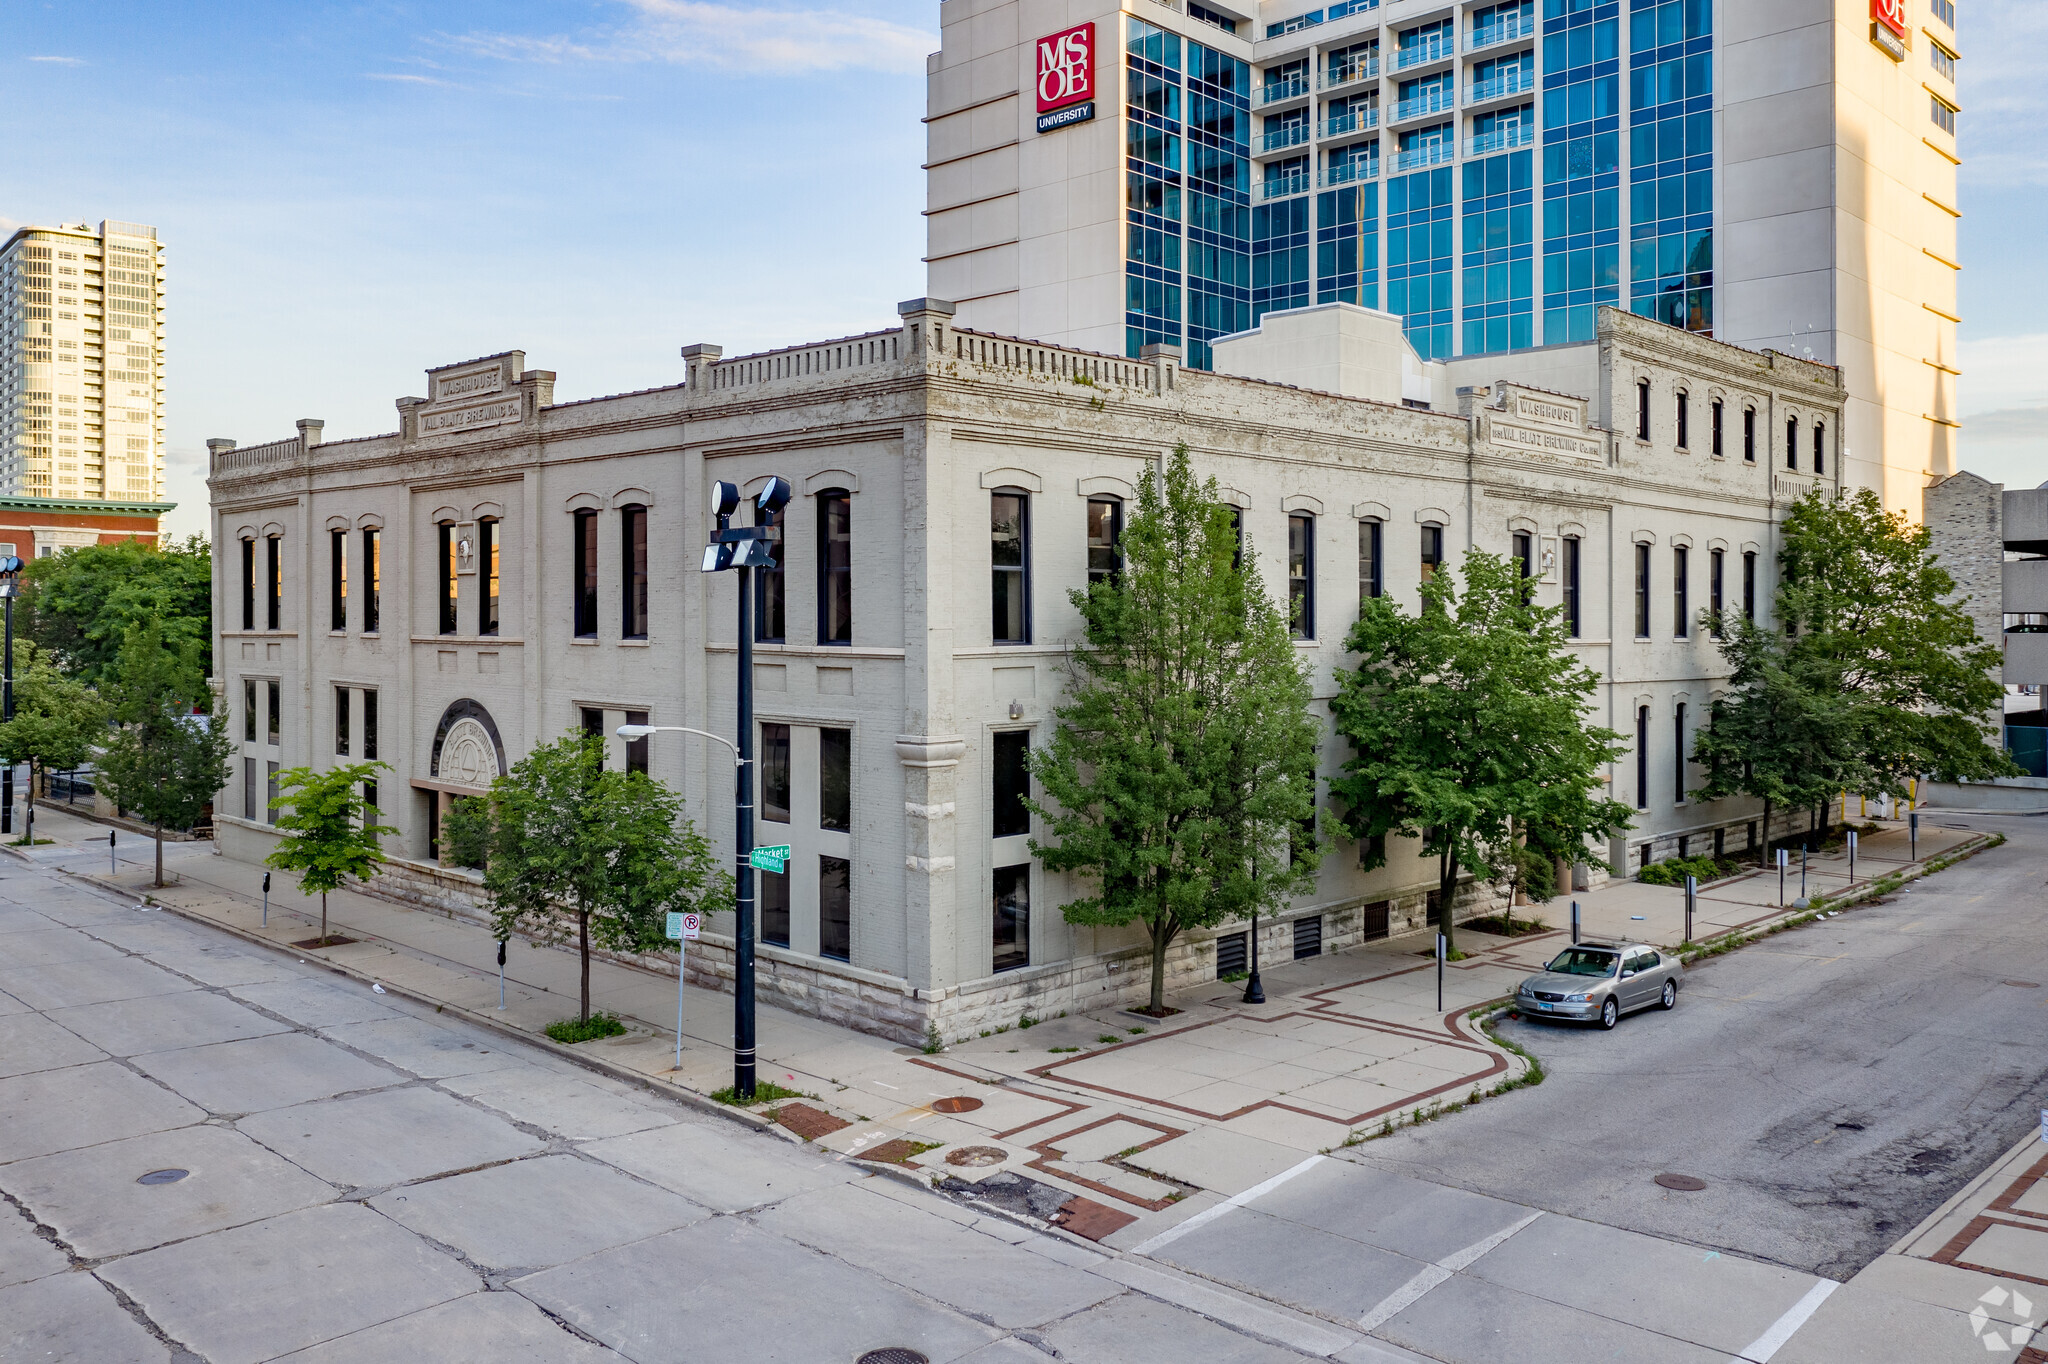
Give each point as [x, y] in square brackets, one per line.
[330, 833]
[165, 760]
[1181, 775]
[1468, 729]
[58, 721]
[608, 849]
[466, 831]
[81, 604]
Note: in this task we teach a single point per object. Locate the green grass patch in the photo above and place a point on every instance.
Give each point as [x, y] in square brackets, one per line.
[1058, 1050]
[585, 1029]
[765, 1092]
[1109, 1037]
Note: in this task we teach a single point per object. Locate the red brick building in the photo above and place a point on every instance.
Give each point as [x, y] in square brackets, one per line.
[35, 527]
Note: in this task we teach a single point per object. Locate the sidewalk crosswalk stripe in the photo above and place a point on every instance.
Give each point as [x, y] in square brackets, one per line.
[1434, 1274]
[1760, 1350]
[1179, 1230]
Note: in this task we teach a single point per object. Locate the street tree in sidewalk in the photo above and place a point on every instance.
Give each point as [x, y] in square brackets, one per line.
[331, 833]
[1181, 776]
[58, 721]
[609, 852]
[1468, 727]
[81, 604]
[164, 760]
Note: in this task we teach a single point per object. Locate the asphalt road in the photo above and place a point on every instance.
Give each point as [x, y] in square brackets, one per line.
[1832, 1085]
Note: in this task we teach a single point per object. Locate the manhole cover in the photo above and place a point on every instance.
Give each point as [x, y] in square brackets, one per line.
[976, 1157]
[163, 1177]
[956, 1104]
[1935, 1157]
[1686, 1183]
[2022, 984]
[895, 1354]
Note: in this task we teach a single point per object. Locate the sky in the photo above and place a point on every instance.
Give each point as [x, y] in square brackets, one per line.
[351, 193]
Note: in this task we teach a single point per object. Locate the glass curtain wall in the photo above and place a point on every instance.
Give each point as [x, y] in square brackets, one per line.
[1581, 165]
[1152, 148]
[1671, 162]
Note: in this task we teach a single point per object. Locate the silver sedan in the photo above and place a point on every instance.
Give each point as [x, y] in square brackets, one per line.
[1599, 982]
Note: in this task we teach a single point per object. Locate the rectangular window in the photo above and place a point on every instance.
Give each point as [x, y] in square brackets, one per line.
[1714, 599]
[1678, 754]
[1012, 775]
[770, 585]
[775, 773]
[249, 709]
[773, 888]
[1681, 590]
[593, 721]
[1011, 939]
[835, 909]
[249, 810]
[274, 574]
[1301, 576]
[337, 580]
[1642, 591]
[835, 779]
[1792, 442]
[1643, 410]
[835, 568]
[248, 584]
[633, 572]
[636, 749]
[341, 721]
[1945, 10]
[1820, 448]
[275, 714]
[1684, 421]
[1105, 539]
[1749, 435]
[445, 560]
[1714, 431]
[369, 726]
[1572, 545]
[1943, 60]
[1010, 560]
[1642, 757]
[487, 541]
[584, 555]
[1369, 581]
[373, 580]
[1432, 551]
[271, 808]
[1524, 554]
[1749, 585]
[1943, 113]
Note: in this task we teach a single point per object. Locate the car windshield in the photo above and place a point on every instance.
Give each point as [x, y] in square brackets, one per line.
[1578, 961]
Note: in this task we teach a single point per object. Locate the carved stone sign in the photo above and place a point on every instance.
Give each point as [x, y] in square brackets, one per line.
[1555, 413]
[467, 755]
[494, 413]
[479, 381]
[1550, 442]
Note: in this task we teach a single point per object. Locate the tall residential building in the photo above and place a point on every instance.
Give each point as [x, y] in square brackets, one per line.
[1780, 175]
[81, 364]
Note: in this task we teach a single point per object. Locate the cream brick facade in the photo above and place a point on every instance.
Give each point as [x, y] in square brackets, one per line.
[919, 425]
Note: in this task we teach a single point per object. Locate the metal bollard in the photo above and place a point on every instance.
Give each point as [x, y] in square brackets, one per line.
[111, 865]
[1805, 849]
[501, 973]
[1784, 860]
[1852, 857]
[1913, 836]
[1575, 923]
[266, 899]
[1692, 897]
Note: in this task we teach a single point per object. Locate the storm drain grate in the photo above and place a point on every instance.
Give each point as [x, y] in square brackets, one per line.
[895, 1354]
[163, 1177]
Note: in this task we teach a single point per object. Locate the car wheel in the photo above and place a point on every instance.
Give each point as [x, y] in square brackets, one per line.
[1610, 1012]
[1670, 1000]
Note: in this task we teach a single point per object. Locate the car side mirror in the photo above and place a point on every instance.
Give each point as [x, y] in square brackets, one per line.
[1626, 974]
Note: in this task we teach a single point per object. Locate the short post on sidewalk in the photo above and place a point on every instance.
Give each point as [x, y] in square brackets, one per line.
[682, 928]
[1852, 857]
[1913, 836]
[266, 899]
[112, 866]
[1692, 897]
[1575, 923]
[1439, 973]
[1784, 862]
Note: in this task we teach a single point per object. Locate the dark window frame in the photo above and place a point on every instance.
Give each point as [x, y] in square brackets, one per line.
[1642, 409]
[583, 564]
[835, 787]
[337, 580]
[638, 750]
[1684, 420]
[771, 584]
[369, 726]
[1820, 446]
[774, 898]
[1642, 757]
[1792, 442]
[1749, 584]
[1008, 579]
[1301, 575]
[1716, 601]
[1432, 550]
[1105, 561]
[1681, 592]
[446, 580]
[1573, 553]
[835, 567]
[1678, 754]
[1371, 558]
[1642, 590]
[341, 728]
[835, 930]
[1716, 420]
[273, 715]
[1016, 914]
[373, 579]
[248, 583]
[1009, 783]
[273, 611]
[1749, 435]
[635, 610]
[774, 768]
[249, 710]
[489, 586]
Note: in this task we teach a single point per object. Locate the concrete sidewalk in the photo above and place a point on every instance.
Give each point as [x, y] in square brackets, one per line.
[1148, 1122]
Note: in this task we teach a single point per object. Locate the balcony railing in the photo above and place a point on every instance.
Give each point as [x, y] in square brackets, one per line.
[1502, 137]
[1514, 83]
[1435, 50]
[1429, 154]
[1350, 172]
[1280, 186]
[1291, 136]
[1291, 88]
[1500, 31]
[1435, 102]
[1351, 74]
[1356, 121]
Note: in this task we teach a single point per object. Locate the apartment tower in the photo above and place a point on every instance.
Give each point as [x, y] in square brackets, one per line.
[1780, 174]
[81, 364]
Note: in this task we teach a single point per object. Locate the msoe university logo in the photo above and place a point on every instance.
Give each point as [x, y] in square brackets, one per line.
[1066, 77]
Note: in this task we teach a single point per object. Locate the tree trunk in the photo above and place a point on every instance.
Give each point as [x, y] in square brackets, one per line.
[1763, 851]
[1446, 886]
[1162, 937]
[323, 918]
[583, 946]
[159, 854]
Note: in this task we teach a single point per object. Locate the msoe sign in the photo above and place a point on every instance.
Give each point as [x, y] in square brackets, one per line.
[1066, 77]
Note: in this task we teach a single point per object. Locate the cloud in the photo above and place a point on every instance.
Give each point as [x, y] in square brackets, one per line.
[2001, 92]
[701, 33]
[60, 61]
[2002, 372]
[407, 79]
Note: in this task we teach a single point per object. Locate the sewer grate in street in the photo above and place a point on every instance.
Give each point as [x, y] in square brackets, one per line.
[895, 1354]
[955, 1104]
[1684, 1183]
[163, 1177]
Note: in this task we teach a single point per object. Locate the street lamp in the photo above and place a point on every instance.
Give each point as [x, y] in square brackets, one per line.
[10, 587]
[744, 548]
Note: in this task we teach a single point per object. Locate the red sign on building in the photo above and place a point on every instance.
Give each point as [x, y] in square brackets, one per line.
[1890, 13]
[1066, 67]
